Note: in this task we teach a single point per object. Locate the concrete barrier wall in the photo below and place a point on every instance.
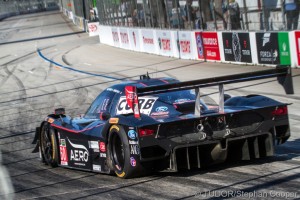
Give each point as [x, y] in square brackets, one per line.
[237, 47]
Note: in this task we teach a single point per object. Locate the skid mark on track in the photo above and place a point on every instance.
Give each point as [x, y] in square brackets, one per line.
[75, 70]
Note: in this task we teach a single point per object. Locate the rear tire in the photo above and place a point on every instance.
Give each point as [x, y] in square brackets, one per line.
[119, 158]
[48, 145]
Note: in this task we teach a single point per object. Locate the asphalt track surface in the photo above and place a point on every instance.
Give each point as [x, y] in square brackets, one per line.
[31, 87]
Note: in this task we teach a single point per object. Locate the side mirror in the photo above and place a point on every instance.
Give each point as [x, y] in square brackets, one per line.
[104, 115]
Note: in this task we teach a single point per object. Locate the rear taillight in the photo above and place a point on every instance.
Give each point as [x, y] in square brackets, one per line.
[280, 111]
[146, 132]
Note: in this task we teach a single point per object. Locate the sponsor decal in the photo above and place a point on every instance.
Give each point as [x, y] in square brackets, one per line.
[237, 47]
[148, 40]
[132, 134]
[199, 43]
[115, 36]
[63, 152]
[124, 38]
[79, 153]
[97, 168]
[102, 155]
[145, 103]
[134, 149]
[185, 46]
[159, 113]
[93, 145]
[114, 120]
[161, 109]
[132, 162]
[134, 38]
[102, 146]
[114, 90]
[133, 142]
[179, 101]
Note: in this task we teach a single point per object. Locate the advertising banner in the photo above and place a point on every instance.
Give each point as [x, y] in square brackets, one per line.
[199, 43]
[297, 38]
[237, 47]
[134, 39]
[267, 48]
[115, 36]
[148, 41]
[164, 43]
[94, 29]
[124, 38]
[284, 48]
[211, 46]
[273, 48]
[185, 42]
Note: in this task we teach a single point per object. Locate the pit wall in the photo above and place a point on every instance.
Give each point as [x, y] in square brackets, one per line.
[253, 48]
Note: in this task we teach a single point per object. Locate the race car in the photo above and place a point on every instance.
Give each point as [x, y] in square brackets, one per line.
[138, 126]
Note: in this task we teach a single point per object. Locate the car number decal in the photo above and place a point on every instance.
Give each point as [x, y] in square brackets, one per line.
[146, 104]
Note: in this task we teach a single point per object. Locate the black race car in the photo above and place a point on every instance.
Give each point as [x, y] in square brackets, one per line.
[161, 123]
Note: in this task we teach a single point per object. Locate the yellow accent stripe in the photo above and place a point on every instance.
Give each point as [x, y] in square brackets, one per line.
[114, 126]
[53, 151]
[121, 175]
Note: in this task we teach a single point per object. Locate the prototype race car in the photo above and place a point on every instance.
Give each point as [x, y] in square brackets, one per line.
[162, 123]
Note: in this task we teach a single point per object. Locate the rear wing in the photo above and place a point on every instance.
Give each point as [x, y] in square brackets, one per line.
[283, 74]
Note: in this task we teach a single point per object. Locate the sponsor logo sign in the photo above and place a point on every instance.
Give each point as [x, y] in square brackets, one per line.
[297, 37]
[102, 155]
[164, 43]
[102, 147]
[132, 162]
[145, 104]
[94, 29]
[124, 38]
[149, 44]
[185, 41]
[63, 152]
[199, 43]
[237, 47]
[267, 48]
[211, 46]
[134, 39]
[97, 168]
[284, 48]
[115, 36]
[132, 134]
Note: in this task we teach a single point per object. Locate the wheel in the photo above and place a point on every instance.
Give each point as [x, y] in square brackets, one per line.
[48, 145]
[119, 158]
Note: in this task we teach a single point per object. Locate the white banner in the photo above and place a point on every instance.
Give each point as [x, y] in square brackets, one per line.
[149, 43]
[94, 29]
[185, 44]
[165, 42]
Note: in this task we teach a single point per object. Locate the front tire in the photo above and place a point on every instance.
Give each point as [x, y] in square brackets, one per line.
[121, 161]
[48, 145]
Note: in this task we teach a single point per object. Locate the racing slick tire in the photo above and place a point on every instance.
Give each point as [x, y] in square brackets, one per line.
[48, 145]
[118, 149]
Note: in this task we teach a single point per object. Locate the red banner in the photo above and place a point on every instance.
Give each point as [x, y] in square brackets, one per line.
[210, 44]
[297, 38]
